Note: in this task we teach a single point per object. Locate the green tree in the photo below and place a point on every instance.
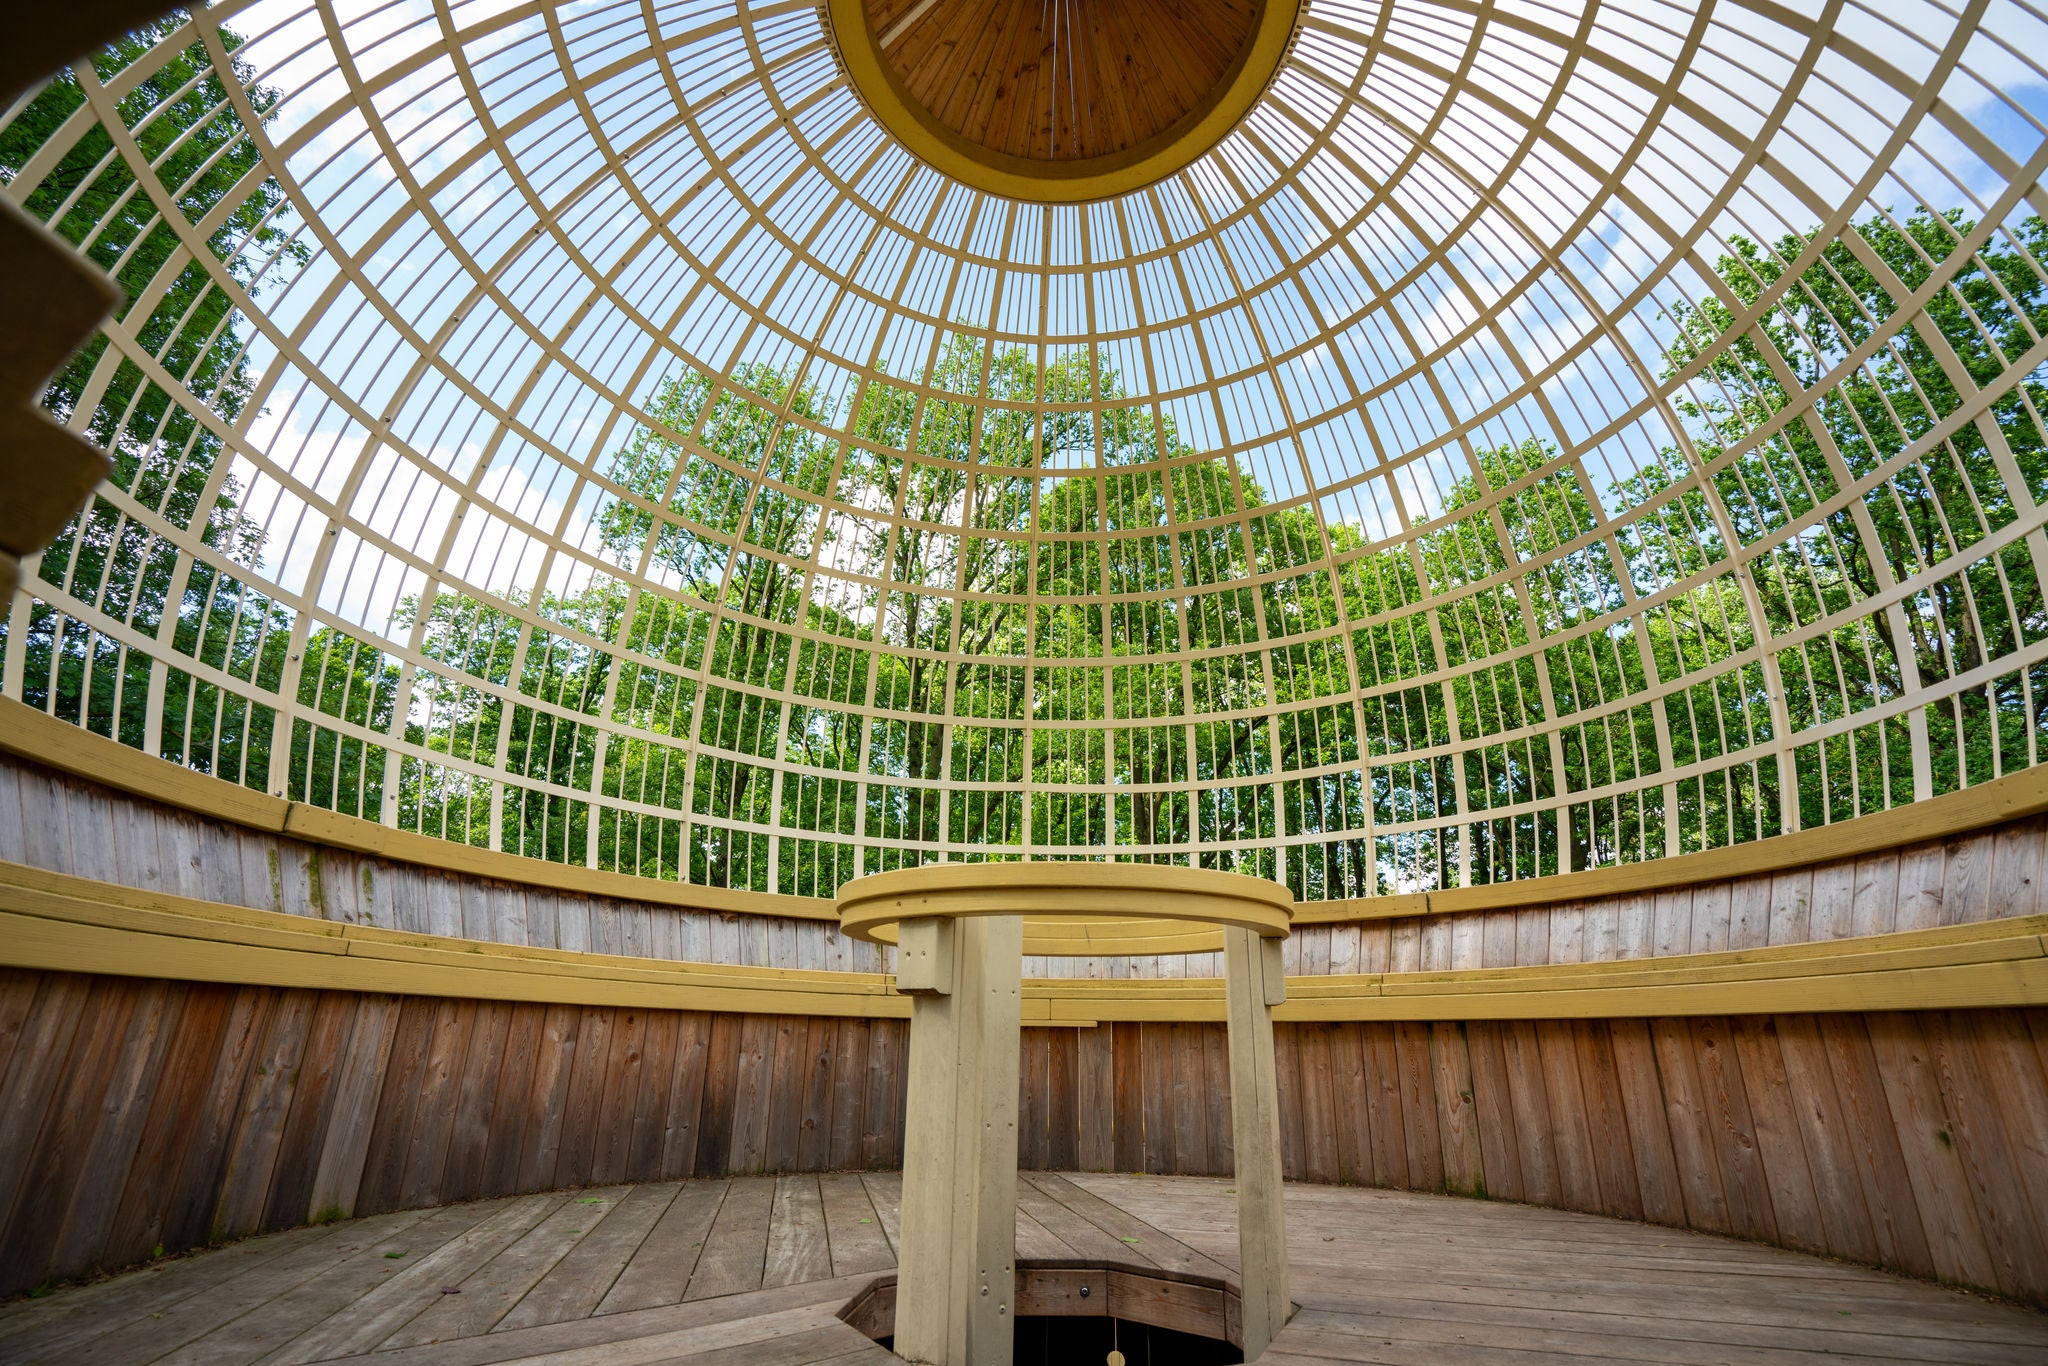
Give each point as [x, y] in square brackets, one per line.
[196, 155]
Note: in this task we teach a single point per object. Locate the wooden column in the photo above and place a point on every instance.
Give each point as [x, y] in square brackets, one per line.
[1254, 983]
[956, 1278]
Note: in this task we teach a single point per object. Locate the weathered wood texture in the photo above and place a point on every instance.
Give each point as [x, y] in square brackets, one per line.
[1916, 1141]
[753, 1270]
[137, 1114]
[1987, 874]
[52, 820]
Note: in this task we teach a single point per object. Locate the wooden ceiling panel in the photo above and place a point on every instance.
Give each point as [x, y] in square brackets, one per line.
[1062, 80]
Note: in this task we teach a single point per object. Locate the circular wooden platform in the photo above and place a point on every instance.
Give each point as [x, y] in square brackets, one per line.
[756, 1268]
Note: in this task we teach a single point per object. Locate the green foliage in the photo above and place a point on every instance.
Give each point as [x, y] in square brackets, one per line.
[197, 157]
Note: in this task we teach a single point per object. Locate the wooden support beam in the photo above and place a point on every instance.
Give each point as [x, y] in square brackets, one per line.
[956, 1288]
[1253, 985]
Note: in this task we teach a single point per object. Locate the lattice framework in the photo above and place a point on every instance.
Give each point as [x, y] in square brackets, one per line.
[580, 430]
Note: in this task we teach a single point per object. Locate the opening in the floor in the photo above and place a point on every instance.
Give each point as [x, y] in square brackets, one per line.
[1082, 1311]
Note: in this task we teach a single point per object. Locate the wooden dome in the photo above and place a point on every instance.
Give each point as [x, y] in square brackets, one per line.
[1060, 100]
[1056, 80]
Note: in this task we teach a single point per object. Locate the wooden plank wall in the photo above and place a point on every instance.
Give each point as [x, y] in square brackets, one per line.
[1982, 875]
[52, 820]
[138, 1115]
[55, 821]
[1916, 1141]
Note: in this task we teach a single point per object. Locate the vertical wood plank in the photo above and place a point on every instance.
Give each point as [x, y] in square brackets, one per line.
[397, 1098]
[1497, 941]
[1690, 1121]
[288, 1200]
[1383, 1099]
[1216, 1065]
[785, 1098]
[1649, 1131]
[1875, 905]
[476, 1101]
[553, 1065]
[1316, 1103]
[1713, 912]
[1602, 934]
[1749, 913]
[440, 1078]
[34, 1077]
[2014, 1235]
[888, 1056]
[1127, 1075]
[1921, 869]
[686, 1097]
[1614, 1158]
[1063, 1151]
[1941, 1189]
[1353, 1109]
[264, 1105]
[1287, 1070]
[1033, 1092]
[1895, 1219]
[618, 1098]
[81, 1233]
[1530, 1096]
[1557, 1051]
[1418, 1106]
[1794, 1204]
[1834, 901]
[1156, 1072]
[1671, 921]
[2015, 870]
[849, 1093]
[650, 1105]
[1096, 1076]
[585, 1095]
[1966, 879]
[1493, 1108]
[752, 1078]
[1726, 1100]
[512, 1116]
[2017, 1093]
[55, 1162]
[188, 1217]
[1457, 1115]
[715, 1122]
[1825, 1134]
[174, 1115]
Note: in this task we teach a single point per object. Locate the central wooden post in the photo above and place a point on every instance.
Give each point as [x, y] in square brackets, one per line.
[957, 1272]
[960, 937]
[1254, 982]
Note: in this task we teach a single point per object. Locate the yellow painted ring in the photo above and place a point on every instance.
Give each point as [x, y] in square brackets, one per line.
[1060, 182]
[1054, 895]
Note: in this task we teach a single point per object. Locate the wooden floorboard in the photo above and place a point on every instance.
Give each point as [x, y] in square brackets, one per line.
[853, 1230]
[575, 1286]
[660, 1269]
[753, 1271]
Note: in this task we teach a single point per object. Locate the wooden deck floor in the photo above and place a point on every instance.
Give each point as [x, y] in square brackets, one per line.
[752, 1271]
